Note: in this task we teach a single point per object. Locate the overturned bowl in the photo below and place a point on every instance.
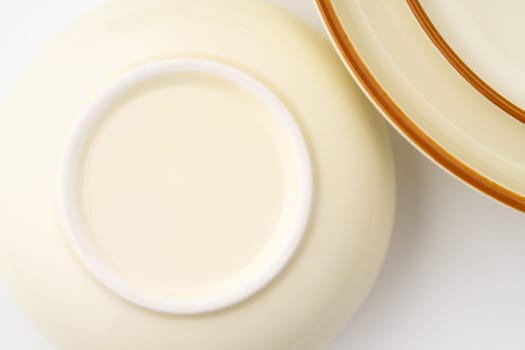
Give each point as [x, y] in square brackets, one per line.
[191, 175]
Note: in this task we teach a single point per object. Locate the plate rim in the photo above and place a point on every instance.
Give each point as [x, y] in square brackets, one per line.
[392, 112]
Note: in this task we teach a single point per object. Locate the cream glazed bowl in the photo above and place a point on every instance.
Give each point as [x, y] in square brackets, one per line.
[191, 175]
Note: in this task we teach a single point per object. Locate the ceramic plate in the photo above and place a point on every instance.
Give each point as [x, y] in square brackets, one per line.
[176, 178]
[468, 129]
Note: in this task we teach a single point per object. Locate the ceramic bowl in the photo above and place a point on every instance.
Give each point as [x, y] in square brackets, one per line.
[191, 175]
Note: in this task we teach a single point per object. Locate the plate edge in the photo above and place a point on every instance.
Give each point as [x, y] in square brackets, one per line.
[401, 121]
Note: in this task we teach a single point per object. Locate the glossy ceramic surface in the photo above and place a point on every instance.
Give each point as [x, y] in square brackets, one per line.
[426, 99]
[181, 180]
[481, 40]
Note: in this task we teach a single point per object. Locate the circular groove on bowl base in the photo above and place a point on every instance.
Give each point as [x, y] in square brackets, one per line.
[76, 231]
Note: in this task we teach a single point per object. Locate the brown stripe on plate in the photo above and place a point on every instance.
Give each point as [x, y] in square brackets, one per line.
[458, 64]
[400, 120]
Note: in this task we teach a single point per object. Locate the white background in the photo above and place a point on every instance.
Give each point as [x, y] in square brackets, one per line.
[454, 277]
